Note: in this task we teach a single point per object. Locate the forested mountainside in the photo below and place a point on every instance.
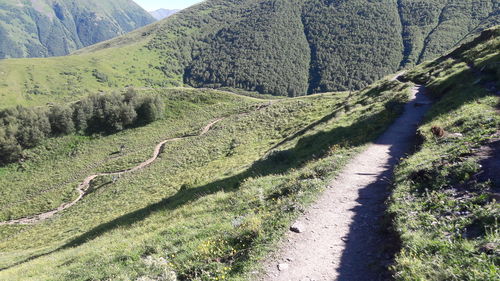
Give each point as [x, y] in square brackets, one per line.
[42, 28]
[163, 13]
[336, 45]
[278, 47]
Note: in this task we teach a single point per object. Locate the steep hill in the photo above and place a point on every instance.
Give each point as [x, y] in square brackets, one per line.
[236, 171]
[277, 47]
[42, 28]
[162, 13]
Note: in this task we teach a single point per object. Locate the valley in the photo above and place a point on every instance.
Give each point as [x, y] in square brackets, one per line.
[285, 48]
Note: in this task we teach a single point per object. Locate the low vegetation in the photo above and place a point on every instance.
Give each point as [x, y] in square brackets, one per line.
[445, 208]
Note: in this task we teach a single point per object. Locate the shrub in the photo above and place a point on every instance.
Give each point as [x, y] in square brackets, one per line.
[100, 76]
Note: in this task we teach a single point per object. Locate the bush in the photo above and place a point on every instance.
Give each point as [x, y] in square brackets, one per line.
[10, 150]
[100, 76]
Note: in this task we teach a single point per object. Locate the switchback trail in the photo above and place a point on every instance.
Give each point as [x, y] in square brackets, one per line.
[84, 186]
[342, 237]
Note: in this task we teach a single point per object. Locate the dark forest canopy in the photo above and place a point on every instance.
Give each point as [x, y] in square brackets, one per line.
[291, 48]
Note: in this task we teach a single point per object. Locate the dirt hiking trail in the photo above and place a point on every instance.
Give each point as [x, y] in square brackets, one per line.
[342, 236]
[84, 186]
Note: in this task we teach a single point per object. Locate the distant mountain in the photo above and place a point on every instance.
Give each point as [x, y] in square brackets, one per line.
[278, 47]
[163, 13]
[42, 28]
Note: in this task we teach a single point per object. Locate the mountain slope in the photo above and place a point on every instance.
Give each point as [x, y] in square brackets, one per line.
[44, 28]
[278, 47]
[162, 13]
[269, 54]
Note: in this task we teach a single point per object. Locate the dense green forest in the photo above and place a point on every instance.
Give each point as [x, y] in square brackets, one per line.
[55, 28]
[333, 45]
[278, 47]
[352, 43]
[268, 53]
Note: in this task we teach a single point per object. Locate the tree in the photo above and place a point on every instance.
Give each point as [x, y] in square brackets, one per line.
[150, 110]
[10, 150]
[61, 120]
[23, 128]
[33, 126]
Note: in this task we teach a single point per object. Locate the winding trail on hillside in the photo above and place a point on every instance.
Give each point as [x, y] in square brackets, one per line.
[83, 187]
[342, 236]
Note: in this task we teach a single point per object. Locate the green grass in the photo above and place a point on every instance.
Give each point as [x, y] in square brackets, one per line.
[33, 82]
[211, 206]
[443, 214]
[72, 158]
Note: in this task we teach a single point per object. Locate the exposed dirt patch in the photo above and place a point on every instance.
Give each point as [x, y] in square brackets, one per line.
[489, 155]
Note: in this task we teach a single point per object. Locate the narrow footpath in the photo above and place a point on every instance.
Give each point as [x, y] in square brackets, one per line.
[342, 236]
[84, 186]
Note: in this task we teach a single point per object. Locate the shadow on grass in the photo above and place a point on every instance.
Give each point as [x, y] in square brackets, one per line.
[449, 95]
[370, 244]
[308, 148]
[344, 106]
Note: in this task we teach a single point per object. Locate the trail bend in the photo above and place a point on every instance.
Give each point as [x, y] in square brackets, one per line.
[83, 187]
[342, 237]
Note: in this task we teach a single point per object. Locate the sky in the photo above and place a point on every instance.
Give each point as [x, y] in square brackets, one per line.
[151, 5]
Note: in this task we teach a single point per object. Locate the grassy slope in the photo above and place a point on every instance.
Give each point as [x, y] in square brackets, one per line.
[65, 79]
[72, 158]
[211, 205]
[443, 210]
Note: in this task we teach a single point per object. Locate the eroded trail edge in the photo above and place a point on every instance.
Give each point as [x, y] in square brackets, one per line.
[83, 187]
[342, 237]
